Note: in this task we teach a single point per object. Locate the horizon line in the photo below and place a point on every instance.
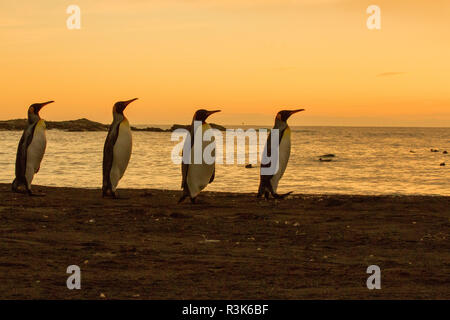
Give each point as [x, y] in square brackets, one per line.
[258, 125]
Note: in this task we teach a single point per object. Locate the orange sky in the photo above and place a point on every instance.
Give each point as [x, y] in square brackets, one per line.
[248, 57]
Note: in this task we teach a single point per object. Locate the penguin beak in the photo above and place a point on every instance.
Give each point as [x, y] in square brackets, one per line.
[126, 103]
[295, 111]
[44, 104]
[208, 113]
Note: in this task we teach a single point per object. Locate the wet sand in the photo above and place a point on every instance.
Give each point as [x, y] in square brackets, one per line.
[231, 246]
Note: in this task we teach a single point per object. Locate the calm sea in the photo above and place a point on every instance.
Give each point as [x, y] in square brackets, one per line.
[367, 161]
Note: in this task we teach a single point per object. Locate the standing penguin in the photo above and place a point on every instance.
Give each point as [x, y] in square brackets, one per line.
[31, 149]
[196, 176]
[269, 182]
[117, 149]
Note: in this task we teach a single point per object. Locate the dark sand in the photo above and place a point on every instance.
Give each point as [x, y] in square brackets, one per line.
[232, 247]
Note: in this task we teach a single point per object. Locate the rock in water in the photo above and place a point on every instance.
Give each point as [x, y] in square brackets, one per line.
[328, 155]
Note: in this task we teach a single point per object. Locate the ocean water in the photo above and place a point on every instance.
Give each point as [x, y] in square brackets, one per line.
[369, 161]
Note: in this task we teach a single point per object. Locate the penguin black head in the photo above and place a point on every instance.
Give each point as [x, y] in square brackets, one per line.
[202, 114]
[283, 115]
[33, 110]
[121, 105]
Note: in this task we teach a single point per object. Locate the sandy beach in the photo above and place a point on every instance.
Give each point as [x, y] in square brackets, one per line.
[231, 246]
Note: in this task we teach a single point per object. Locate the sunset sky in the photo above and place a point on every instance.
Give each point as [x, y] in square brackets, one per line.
[249, 57]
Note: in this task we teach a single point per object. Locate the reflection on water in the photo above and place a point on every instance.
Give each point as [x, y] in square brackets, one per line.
[368, 161]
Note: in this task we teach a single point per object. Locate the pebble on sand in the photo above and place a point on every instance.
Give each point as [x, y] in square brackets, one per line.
[442, 164]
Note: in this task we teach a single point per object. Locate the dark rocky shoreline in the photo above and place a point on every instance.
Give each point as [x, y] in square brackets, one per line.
[82, 125]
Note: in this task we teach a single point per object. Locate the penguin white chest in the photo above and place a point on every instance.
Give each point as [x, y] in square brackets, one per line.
[121, 153]
[284, 154]
[35, 151]
[200, 174]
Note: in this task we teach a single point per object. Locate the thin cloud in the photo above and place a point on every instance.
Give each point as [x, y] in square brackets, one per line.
[390, 74]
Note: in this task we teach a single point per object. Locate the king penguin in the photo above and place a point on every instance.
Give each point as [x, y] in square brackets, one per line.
[196, 176]
[31, 149]
[269, 182]
[117, 149]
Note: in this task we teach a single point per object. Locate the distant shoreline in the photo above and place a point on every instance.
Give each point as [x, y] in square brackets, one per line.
[86, 125]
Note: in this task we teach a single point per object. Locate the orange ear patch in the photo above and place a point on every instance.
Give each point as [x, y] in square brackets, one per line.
[278, 116]
[31, 109]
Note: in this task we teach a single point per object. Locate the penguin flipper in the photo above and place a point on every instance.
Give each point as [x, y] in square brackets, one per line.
[184, 185]
[184, 172]
[269, 144]
[269, 149]
[265, 179]
[265, 185]
[185, 166]
[108, 155]
[21, 158]
[213, 175]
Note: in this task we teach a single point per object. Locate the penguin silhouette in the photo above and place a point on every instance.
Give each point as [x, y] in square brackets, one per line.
[196, 176]
[31, 150]
[269, 182]
[117, 149]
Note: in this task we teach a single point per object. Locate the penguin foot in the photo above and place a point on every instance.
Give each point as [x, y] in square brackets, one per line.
[106, 193]
[182, 198]
[37, 195]
[33, 194]
[199, 201]
[19, 191]
[19, 187]
[115, 196]
[121, 198]
[281, 196]
[14, 186]
[110, 194]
